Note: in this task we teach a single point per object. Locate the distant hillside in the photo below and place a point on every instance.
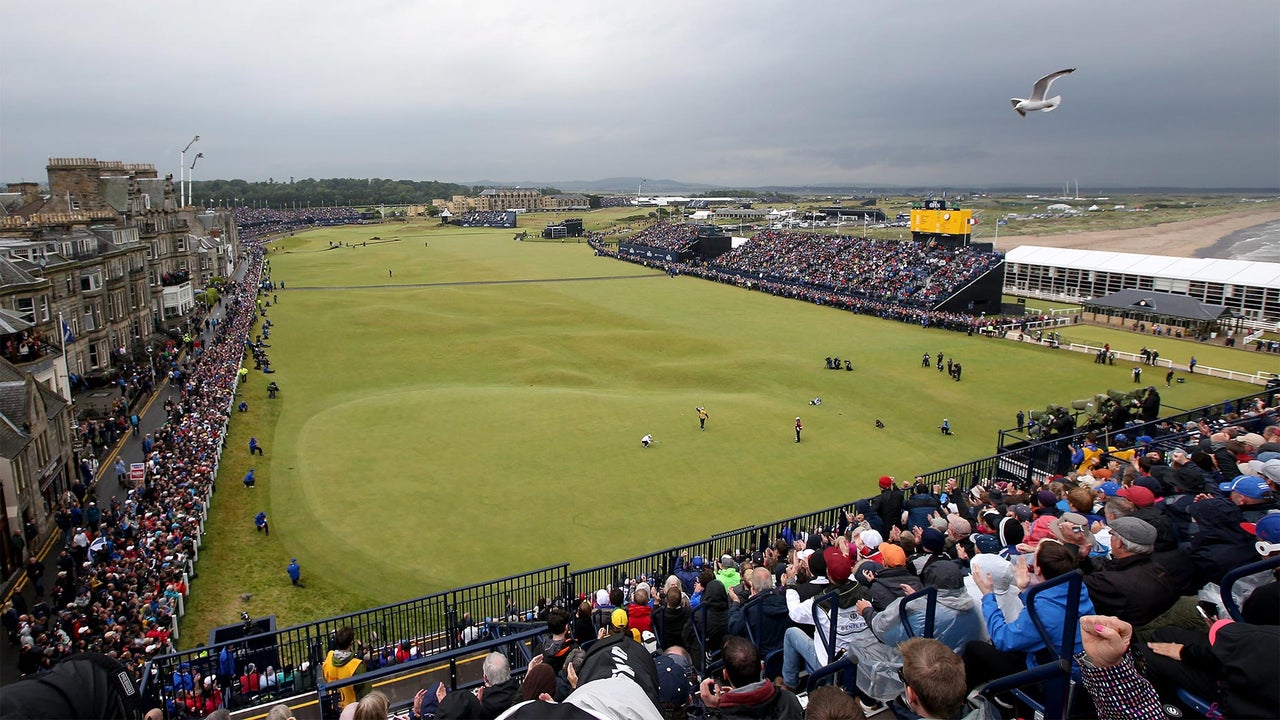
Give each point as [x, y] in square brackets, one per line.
[622, 185]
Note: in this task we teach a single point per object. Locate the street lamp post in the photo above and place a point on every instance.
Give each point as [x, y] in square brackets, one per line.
[182, 167]
[191, 173]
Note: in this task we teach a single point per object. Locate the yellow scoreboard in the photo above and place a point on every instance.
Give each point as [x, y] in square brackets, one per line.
[942, 222]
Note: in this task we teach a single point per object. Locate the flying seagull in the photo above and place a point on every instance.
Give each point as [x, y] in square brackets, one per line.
[1037, 100]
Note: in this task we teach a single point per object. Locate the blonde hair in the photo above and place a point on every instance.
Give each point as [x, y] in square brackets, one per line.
[372, 707]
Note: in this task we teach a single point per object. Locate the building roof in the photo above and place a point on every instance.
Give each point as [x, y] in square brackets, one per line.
[11, 322]
[1161, 304]
[12, 274]
[1229, 272]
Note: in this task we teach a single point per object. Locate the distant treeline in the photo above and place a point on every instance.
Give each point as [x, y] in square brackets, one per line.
[326, 192]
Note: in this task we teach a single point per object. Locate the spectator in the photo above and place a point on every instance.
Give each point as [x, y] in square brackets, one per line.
[500, 690]
[539, 680]
[888, 504]
[1014, 645]
[767, 619]
[1131, 585]
[744, 694]
[639, 609]
[671, 619]
[372, 706]
[957, 619]
[341, 663]
[831, 702]
[886, 584]
[710, 622]
[1219, 543]
[934, 677]
[827, 614]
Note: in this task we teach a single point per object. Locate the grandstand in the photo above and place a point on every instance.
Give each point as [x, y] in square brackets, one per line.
[895, 275]
[486, 218]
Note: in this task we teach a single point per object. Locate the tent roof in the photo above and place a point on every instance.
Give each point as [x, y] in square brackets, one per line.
[1162, 304]
[1230, 272]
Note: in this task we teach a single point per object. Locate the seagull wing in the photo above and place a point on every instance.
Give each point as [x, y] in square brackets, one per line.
[1041, 88]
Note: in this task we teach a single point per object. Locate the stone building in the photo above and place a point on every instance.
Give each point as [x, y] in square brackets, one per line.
[36, 459]
[508, 199]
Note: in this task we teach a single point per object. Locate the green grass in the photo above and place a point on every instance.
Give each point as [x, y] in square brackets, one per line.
[434, 434]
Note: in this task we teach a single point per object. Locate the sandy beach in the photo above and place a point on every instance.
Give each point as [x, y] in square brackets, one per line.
[1180, 239]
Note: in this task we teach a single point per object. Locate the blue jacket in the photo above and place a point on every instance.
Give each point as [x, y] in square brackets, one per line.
[1021, 634]
[919, 507]
[688, 574]
[295, 571]
[226, 663]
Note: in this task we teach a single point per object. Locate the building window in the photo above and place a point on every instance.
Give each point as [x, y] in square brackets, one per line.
[91, 281]
[26, 308]
[93, 355]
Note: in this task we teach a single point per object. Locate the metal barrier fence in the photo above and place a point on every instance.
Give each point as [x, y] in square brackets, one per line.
[1053, 457]
[432, 623]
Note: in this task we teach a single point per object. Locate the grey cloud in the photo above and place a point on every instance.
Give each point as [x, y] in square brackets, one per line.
[754, 93]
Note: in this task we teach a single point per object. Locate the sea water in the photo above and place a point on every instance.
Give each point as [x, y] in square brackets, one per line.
[1258, 243]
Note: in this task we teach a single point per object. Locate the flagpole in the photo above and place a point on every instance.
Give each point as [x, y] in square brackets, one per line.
[62, 327]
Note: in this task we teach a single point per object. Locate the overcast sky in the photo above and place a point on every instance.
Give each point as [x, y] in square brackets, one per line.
[1167, 92]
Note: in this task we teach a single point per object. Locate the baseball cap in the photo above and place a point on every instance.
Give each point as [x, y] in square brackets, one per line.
[1022, 511]
[988, 544]
[1271, 470]
[649, 640]
[1267, 529]
[697, 561]
[618, 618]
[1253, 440]
[1247, 485]
[839, 567]
[886, 481]
[1138, 495]
[893, 555]
[1110, 489]
[674, 687]
[727, 561]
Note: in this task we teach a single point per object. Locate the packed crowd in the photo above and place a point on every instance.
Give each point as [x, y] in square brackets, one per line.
[907, 272]
[257, 222]
[486, 218]
[612, 201]
[124, 565]
[673, 237]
